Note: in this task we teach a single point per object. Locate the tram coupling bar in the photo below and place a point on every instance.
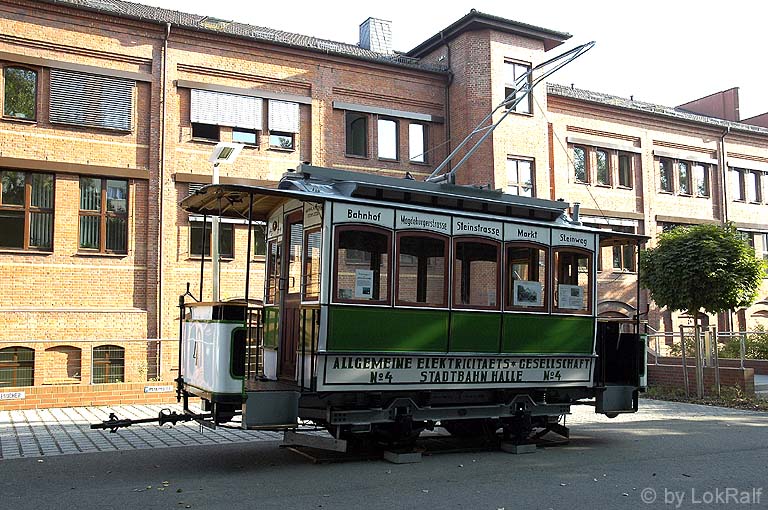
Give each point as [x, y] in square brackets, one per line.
[165, 416]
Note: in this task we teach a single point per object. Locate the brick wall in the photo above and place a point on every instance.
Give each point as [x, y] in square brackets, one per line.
[671, 376]
[760, 366]
[41, 397]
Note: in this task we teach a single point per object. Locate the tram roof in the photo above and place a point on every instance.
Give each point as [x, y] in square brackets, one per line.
[317, 184]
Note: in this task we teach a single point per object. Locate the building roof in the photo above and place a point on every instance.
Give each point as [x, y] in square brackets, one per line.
[650, 108]
[476, 20]
[132, 10]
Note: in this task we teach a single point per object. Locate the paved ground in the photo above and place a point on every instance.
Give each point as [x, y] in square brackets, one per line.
[668, 455]
[47, 432]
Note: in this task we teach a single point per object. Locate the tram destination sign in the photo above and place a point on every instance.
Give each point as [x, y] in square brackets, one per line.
[435, 372]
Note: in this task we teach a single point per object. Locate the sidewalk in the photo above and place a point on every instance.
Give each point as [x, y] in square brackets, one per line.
[46, 432]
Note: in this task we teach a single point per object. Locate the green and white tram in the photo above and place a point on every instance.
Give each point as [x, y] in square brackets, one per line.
[392, 305]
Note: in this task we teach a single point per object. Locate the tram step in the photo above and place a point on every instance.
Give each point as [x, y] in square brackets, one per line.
[263, 409]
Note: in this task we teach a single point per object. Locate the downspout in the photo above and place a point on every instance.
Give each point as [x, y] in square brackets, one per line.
[723, 161]
[448, 97]
[724, 172]
[161, 184]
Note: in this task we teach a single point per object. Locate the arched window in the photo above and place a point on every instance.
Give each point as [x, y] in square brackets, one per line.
[17, 366]
[20, 93]
[422, 270]
[62, 365]
[476, 274]
[573, 281]
[362, 265]
[526, 275]
[108, 364]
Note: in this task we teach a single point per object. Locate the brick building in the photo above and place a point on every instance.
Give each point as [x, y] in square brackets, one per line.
[111, 109]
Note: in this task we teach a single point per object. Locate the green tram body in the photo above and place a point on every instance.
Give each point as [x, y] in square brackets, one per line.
[382, 315]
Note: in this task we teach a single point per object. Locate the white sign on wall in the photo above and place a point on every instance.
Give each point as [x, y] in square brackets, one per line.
[13, 395]
[158, 389]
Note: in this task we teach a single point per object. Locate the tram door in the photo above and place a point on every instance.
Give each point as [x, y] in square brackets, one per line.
[289, 340]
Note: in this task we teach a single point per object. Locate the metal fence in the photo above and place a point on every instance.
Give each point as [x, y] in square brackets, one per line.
[706, 352]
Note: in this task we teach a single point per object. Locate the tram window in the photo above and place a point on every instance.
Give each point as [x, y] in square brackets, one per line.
[312, 242]
[293, 285]
[421, 272]
[476, 274]
[273, 271]
[362, 265]
[526, 277]
[573, 281]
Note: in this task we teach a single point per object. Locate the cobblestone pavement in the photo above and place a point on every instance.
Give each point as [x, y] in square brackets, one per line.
[46, 432]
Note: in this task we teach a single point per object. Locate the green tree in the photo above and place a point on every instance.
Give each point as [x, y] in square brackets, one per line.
[707, 267]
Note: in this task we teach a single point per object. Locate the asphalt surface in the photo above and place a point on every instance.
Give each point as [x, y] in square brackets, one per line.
[669, 455]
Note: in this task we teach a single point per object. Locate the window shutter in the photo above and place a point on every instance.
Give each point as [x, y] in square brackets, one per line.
[226, 109]
[283, 116]
[91, 100]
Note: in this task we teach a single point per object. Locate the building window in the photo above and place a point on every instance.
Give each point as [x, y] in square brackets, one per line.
[765, 253]
[108, 364]
[226, 239]
[388, 139]
[625, 170]
[422, 272]
[683, 178]
[624, 255]
[520, 177]
[278, 140]
[20, 93]
[701, 179]
[603, 167]
[512, 72]
[752, 180]
[738, 184]
[62, 365]
[580, 164]
[245, 136]
[26, 210]
[476, 274]
[356, 134]
[207, 132]
[364, 277]
[417, 143]
[92, 100]
[17, 366]
[259, 239]
[665, 175]
[103, 215]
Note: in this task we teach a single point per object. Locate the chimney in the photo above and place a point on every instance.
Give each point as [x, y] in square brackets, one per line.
[376, 35]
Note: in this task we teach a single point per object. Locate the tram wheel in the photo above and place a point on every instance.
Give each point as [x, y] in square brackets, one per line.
[481, 427]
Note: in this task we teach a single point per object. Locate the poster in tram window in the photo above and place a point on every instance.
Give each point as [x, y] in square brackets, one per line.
[364, 284]
[527, 293]
[570, 297]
